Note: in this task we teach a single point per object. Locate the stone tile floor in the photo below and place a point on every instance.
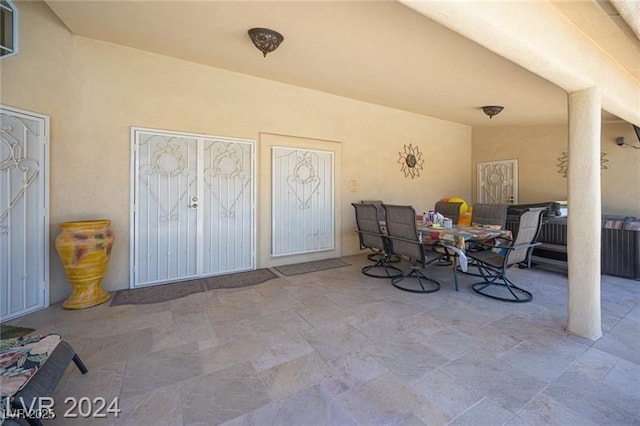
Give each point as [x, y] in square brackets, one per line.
[339, 348]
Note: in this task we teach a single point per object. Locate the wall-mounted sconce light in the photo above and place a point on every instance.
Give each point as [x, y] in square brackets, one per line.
[621, 142]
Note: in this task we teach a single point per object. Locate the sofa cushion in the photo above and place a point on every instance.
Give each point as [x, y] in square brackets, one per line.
[20, 358]
[612, 223]
[633, 225]
[620, 222]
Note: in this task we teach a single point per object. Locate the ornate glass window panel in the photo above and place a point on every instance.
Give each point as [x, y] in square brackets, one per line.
[166, 245]
[303, 206]
[8, 29]
[227, 196]
[24, 218]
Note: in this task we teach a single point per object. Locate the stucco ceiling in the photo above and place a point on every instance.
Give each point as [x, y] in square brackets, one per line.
[380, 52]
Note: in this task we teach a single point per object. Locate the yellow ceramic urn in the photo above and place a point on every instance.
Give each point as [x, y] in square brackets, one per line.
[84, 248]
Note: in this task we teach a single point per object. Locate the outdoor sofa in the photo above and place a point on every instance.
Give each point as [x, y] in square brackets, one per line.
[620, 253]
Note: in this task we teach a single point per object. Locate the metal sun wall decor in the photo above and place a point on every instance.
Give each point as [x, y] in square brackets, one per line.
[563, 163]
[411, 161]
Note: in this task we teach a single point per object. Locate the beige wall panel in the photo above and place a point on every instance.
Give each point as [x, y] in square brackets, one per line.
[538, 148]
[621, 180]
[95, 91]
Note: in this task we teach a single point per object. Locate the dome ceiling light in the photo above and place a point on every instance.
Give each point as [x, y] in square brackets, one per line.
[265, 40]
[492, 110]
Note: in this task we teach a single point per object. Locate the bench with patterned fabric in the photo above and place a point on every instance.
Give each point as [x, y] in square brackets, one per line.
[31, 367]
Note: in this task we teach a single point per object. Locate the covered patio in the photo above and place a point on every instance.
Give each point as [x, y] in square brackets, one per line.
[337, 347]
[359, 82]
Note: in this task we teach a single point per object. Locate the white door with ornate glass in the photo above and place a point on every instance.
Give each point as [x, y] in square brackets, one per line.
[498, 182]
[24, 212]
[303, 210]
[193, 200]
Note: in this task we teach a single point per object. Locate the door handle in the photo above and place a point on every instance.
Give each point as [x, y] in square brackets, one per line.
[194, 203]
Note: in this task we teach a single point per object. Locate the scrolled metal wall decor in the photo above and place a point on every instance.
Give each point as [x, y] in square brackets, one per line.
[410, 160]
[563, 163]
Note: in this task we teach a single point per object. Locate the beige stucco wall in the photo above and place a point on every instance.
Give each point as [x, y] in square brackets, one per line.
[538, 148]
[94, 92]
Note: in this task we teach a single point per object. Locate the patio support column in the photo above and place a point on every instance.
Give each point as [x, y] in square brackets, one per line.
[583, 224]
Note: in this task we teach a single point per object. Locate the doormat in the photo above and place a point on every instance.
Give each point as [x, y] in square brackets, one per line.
[171, 291]
[241, 279]
[306, 267]
[11, 331]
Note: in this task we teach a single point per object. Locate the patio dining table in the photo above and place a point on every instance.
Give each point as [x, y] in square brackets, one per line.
[457, 237]
[460, 235]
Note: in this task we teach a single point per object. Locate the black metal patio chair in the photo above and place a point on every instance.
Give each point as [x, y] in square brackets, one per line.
[485, 214]
[403, 235]
[489, 214]
[449, 209]
[493, 264]
[383, 226]
[371, 237]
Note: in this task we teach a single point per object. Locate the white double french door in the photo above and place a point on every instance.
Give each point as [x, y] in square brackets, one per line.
[24, 212]
[193, 206]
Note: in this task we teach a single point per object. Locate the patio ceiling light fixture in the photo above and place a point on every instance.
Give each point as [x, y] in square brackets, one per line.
[265, 40]
[492, 110]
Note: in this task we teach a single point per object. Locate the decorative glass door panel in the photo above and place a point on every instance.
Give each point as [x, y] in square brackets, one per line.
[192, 208]
[303, 206]
[166, 225]
[24, 219]
[228, 197]
[498, 182]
